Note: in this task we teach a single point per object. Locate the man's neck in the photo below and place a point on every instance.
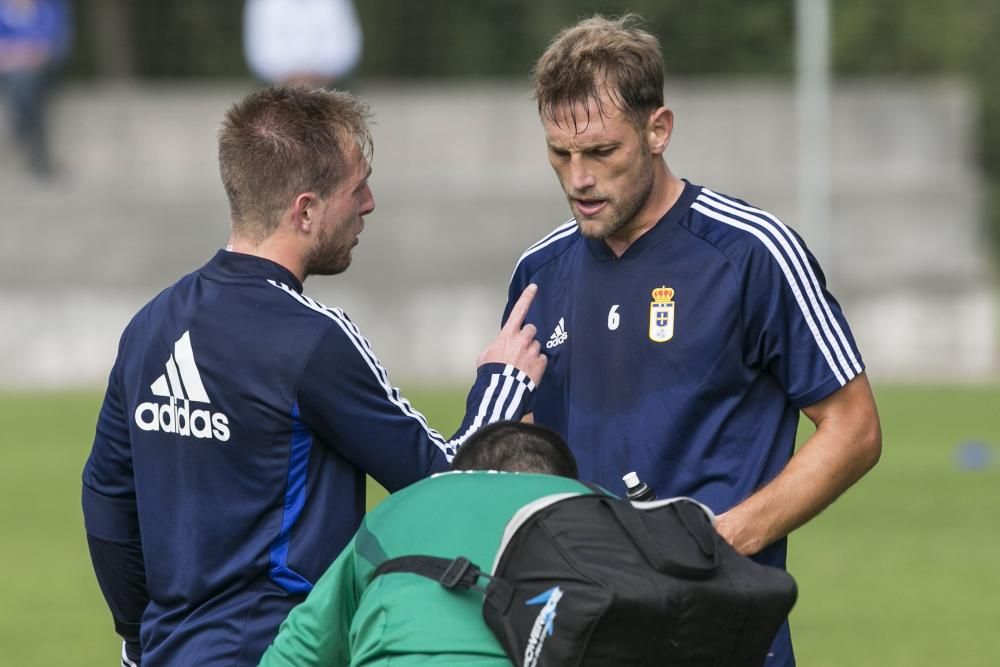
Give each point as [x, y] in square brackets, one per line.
[667, 189]
[273, 248]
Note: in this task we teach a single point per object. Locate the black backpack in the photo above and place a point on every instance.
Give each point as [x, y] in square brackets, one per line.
[593, 580]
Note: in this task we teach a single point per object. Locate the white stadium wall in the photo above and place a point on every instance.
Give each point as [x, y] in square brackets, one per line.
[462, 187]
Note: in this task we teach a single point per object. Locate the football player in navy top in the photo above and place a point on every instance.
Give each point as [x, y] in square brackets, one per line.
[228, 466]
[685, 329]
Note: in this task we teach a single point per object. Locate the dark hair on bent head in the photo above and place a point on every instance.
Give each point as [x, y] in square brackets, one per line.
[516, 447]
[600, 55]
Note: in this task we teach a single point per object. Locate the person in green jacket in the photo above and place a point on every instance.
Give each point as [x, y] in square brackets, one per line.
[350, 618]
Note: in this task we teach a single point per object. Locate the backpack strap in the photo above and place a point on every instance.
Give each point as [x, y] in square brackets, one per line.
[450, 573]
[454, 573]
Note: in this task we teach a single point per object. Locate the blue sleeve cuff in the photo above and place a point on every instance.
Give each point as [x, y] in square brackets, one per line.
[109, 518]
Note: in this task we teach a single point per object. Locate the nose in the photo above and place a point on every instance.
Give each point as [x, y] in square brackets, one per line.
[367, 201]
[580, 177]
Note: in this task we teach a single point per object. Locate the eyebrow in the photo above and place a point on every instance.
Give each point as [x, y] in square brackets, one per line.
[585, 148]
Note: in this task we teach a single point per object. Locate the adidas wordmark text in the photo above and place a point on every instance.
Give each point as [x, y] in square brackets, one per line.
[181, 384]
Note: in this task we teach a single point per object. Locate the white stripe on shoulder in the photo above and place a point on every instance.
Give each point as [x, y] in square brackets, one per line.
[569, 224]
[399, 399]
[802, 267]
[562, 231]
[793, 284]
[488, 411]
[814, 280]
[364, 349]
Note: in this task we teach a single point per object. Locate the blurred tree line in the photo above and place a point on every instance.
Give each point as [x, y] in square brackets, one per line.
[434, 39]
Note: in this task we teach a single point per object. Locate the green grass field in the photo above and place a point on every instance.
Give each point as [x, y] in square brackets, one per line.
[902, 571]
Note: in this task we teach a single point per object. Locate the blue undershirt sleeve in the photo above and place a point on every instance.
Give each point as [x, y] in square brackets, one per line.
[121, 576]
[111, 519]
[346, 399]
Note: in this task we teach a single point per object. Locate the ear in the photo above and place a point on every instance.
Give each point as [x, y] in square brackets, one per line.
[305, 211]
[659, 127]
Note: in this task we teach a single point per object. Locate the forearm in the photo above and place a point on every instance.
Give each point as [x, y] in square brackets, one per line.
[116, 553]
[121, 575]
[846, 444]
[820, 472]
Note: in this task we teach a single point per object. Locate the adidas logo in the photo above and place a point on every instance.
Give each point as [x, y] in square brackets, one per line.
[558, 336]
[180, 385]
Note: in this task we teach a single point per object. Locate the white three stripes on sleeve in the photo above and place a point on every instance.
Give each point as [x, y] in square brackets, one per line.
[492, 406]
[802, 281]
[805, 262]
[510, 377]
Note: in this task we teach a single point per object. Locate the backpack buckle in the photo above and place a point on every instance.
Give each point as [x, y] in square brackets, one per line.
[456, 572]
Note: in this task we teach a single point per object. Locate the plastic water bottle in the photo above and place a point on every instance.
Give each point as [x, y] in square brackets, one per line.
[636, 490]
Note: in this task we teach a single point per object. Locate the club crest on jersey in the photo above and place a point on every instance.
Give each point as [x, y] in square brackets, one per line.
[661, 315]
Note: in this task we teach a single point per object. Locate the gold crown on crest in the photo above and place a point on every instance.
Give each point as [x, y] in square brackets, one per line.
[663, 294]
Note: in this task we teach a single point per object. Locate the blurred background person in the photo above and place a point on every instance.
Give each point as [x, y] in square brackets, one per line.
[34, 41]
[301, 42]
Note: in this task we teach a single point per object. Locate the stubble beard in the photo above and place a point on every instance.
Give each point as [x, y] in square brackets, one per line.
[327, 267]
[623, 214]
[327, 257]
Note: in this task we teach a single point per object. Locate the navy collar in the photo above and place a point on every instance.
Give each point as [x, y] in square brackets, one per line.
[602, 253]
[230, 265]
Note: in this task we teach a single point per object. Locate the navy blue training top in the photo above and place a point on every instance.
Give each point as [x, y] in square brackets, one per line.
[688, 358]
[239, 421]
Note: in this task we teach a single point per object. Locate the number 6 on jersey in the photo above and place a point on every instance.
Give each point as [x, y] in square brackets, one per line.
[614, 319]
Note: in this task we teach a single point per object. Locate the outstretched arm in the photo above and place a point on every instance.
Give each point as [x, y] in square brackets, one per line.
[847, 444]
[346, 399]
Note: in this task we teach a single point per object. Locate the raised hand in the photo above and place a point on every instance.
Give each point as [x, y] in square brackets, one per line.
[516, 344]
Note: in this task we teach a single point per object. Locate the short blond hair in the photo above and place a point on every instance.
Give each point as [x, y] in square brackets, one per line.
[600, 55]
[281, 141]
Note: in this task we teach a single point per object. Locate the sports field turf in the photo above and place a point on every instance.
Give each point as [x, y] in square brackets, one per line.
[903, 571]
